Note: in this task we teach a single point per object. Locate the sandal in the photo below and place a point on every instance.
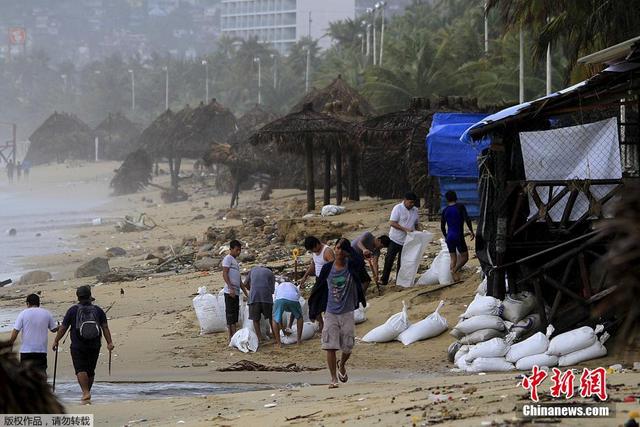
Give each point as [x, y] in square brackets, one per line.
[342, 377]
[333, 385]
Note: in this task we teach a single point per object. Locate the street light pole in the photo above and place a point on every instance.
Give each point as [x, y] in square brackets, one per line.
[275, 69]
[306, 74]
[257, 60]
[166, 87]
[521, 67]
[361, 37]
[486, 29]
[372, 12]
[133, 90]
[381, 5]
[64, 79]
[206, 80]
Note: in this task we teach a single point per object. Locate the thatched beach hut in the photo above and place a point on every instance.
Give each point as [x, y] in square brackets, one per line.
[117, 136]
[306, 132]
[61, 137]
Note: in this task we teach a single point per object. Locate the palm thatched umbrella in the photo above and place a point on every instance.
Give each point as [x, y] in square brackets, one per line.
[342, 101]
[62, 136]
[302, 132]
[134, 174]
[117, 136]
[196, 128]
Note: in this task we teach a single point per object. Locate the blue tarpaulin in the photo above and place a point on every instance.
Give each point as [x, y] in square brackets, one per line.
[454, 162]
[447, 155]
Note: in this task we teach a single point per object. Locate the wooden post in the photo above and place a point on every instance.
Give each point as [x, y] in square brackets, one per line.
[338, 176]
[327, 176]
[308, 153]
[496, 283]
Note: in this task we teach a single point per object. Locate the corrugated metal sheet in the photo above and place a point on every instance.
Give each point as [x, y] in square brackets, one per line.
[467, 191]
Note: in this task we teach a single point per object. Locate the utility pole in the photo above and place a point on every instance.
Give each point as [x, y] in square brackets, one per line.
[361, 37]
[206, 80]
[306, 74]
[486, 29]
[133, 90]
[521, 67]
[382, 6]
[372, 12]
[257, 60]
[166, 87]
[275, 69]
[549, 69]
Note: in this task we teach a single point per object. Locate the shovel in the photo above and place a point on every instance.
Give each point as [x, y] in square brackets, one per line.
[55, 369]
[109, 362]
[377, 284]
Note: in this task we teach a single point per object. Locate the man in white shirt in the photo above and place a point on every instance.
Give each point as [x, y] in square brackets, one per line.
[34, 323]
[232, 283]
[403, 220]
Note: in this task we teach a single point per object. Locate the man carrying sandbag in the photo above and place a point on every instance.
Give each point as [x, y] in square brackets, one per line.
[403, 220]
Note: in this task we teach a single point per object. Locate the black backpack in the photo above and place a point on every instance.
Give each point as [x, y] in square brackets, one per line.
[87, 324]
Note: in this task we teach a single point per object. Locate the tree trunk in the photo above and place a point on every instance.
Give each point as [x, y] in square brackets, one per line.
[338, 176]
[176, 172]
[354, 190]
[327, 176]
[308, 152]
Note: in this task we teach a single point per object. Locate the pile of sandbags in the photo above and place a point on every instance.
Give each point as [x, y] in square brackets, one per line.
[440, 271]
[390, 329]
[578, 345]
[532, 351]
[429, 327]
[210, 311]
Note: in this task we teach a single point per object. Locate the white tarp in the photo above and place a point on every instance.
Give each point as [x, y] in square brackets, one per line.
[589, 151]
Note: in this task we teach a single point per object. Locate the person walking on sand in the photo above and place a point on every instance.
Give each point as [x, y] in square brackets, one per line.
[344, 294]
[454, 216]
[34, 323]
[403, 220]
[368, 247]
[287, 298]
[261, 284]
[232, 283]
[88, 322]
[320, 255]
[19, 170]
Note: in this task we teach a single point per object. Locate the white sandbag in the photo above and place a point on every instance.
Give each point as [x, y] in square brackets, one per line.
[536, 344]
[518, 306]
[482, 287]
[483, 321]
[388, 331]
[462, 364]
[573, 340]
[527, 326]
[594, 351]
[414, 246]
[210, 311]
[495, 347]
[481, 335]
[331, 210]
[483, 305]
[308, 330]
[440, 270]
[360, 314]
[452, 350]
[462, 351]
[490, 364]
[244, 340]
[431, 326]
[528, 362]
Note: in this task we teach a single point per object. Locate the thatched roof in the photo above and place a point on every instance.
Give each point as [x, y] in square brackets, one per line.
[62, 136]
[134, 173]
[255, 118]
[289, 132]
[154, 138]
[118, 136]
[338, 96]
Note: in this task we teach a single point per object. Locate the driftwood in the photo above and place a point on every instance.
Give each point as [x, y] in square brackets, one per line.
[300, 417]
[130, 274]
[247, 365]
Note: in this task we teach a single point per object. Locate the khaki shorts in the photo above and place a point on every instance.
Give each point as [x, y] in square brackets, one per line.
[339, 332]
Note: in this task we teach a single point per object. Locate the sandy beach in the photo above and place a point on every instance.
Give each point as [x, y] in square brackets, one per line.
[157, 336]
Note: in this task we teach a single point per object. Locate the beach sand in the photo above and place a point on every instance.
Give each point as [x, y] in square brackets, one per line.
[157, 335]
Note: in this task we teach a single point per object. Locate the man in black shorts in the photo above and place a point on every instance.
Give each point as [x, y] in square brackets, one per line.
[88, 323]
[261, 284]
[454, 216]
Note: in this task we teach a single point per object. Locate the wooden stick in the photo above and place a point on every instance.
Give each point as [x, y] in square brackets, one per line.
[299, 417]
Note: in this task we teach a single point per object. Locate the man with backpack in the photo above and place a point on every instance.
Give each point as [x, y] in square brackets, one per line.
[87, 323]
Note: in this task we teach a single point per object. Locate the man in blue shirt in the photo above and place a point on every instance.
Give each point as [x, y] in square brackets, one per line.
[454, 216]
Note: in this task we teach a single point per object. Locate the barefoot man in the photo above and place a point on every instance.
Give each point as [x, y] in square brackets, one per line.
[454, 216]
[88, 323]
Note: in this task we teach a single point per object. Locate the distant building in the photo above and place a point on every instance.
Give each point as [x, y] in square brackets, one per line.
[281, 23]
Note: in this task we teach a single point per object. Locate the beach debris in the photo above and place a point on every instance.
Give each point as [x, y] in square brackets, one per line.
[636, 366]
[115, 252]
[130, 224]
[207, 264]
[247, 365]
[12, 232]
[270, 405]
[300, 417]
[96, 221]
[331, 210]
[93, 268]
[34, 277]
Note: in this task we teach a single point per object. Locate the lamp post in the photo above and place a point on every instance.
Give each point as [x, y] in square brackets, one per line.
[166, 87]
[521, 67]
[133, 90]
[206, 80]
[257, 60]
[275, 69]
[381, 5]
[306, 74]
[361, 37]
[486, 29]
[367, 27]
[372, 12]
[64, 80]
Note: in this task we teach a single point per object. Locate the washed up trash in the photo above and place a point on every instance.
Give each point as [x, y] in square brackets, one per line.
[594, 351]
[96, 221]
[210, 311]
[12, 232]
[331, 210]
[543, 359]
[270, 405]
[412, 251]
[431, 326]
[573, 340]
[248, 365]
[389, 330]
[535, 344]
[129, 223]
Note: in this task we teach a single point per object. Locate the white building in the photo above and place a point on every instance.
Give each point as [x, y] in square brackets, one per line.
[283, 22]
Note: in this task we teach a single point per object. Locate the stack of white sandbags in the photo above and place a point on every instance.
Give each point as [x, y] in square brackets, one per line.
[210, 311]
[429, 327]
[440, 271]
[389, 330]
[532, 351]
[578, 345]
[481, 321]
